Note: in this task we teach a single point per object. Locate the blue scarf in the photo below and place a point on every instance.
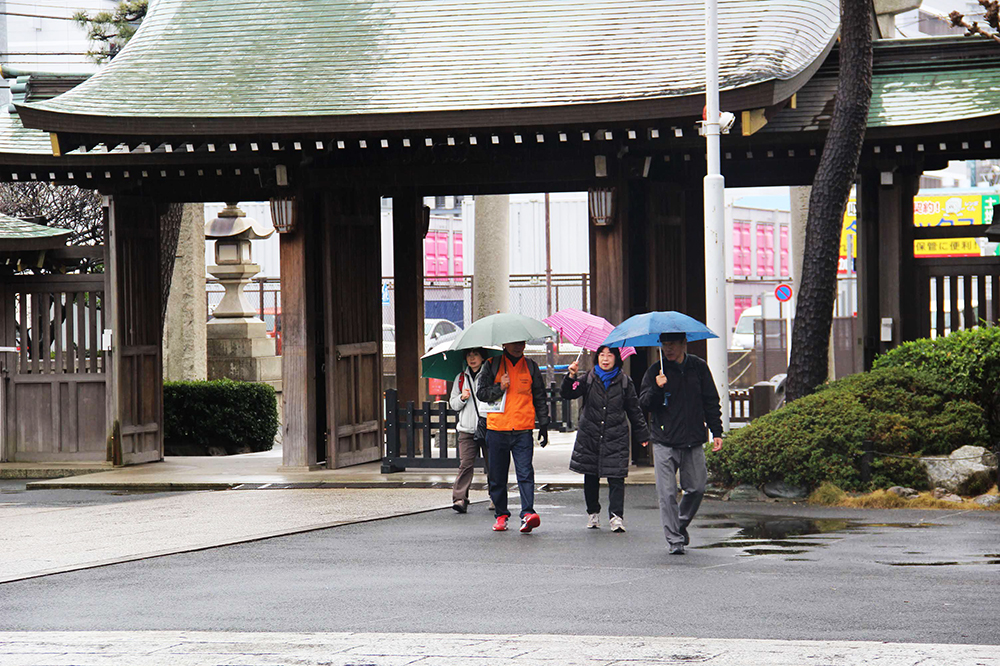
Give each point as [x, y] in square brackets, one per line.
[606, 376]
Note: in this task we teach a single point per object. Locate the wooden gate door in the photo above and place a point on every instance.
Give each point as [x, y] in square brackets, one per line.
[53, 386]
[353, 323]
[135, 399]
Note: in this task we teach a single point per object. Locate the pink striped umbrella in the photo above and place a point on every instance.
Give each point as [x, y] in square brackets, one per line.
[584, 329]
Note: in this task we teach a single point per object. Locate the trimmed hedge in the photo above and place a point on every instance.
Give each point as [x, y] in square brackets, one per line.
[224, 413]
[821, 437]
[966, 362]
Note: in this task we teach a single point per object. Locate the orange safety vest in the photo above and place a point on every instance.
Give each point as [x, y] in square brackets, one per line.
[519, 410]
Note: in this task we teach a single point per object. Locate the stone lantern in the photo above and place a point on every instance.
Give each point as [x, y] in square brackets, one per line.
[238, 345]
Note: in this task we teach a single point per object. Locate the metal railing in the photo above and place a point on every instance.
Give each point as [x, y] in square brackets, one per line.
[418, 437]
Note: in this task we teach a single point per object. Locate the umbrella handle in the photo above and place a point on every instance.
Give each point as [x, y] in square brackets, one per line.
[661, 359]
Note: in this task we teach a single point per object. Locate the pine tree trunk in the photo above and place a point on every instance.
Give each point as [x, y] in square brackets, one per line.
[831, 188]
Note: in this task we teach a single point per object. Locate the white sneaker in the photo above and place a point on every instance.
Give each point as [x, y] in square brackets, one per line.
[593, 521]
[617, 524]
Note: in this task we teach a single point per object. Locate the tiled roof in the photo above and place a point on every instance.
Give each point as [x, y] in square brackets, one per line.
[16, 139]
[914, 82]
[11, 228]
[311, 58]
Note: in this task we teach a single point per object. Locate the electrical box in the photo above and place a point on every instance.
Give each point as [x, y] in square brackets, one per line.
[886, 330]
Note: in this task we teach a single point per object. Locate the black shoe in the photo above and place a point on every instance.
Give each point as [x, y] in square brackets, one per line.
[677, 549]
[462, 506]
[684, 533]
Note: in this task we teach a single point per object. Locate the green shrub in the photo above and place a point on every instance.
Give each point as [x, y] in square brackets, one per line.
[233, 415]
[966, 362]
[820, 438]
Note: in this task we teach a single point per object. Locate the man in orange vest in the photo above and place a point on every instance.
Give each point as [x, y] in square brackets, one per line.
[513, 395]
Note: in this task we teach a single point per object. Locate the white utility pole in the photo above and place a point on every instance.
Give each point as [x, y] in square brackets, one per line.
[715, 225]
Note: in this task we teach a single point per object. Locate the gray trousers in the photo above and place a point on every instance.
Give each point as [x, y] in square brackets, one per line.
[468, 449]
[694, 475]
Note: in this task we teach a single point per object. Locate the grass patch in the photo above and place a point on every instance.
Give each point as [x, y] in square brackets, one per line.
[827, 494]
[830, 495]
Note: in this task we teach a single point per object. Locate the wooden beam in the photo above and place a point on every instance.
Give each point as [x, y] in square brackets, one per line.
[753, 120]
[965, 231]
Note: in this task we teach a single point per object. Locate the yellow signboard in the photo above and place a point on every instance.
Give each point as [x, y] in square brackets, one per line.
[929, 211]
[956, 210]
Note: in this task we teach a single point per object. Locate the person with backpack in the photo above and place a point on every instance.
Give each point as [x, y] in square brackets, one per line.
[603, 446]
[471, 427]
[512, 393]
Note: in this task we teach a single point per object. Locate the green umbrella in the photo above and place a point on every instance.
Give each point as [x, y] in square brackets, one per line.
[446, 360]
[502, 328]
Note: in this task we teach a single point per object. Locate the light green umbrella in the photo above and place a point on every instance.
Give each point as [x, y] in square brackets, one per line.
[446, 360]
[500, 329]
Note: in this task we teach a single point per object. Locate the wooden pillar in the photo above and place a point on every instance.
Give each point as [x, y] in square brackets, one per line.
[899, 292]
[132, 313]
[886, 278]
[352, 311]
[298, 331]
[868, 267]
[609, 262]
[409, 226]
[886, 215]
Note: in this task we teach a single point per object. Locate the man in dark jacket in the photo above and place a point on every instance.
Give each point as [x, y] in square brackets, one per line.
[683, 403]
[516, 381]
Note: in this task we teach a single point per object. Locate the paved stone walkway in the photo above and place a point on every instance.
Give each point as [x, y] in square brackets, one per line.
[255, 469]
[189, 648]
[43, 539]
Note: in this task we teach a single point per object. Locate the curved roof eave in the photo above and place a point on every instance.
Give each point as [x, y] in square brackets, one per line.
[388, 64]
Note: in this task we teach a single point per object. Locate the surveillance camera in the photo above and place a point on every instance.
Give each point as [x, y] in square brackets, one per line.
[726, 121]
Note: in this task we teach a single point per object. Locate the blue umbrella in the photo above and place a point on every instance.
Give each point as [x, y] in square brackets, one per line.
[644, 330]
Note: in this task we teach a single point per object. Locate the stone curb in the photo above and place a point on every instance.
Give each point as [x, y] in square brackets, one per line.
[229, 542]
[154, 487]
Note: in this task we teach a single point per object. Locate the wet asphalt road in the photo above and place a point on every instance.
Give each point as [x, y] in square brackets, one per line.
[778, 571]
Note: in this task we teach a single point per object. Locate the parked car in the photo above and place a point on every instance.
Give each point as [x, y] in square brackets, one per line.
[436, 332]
[743, 335]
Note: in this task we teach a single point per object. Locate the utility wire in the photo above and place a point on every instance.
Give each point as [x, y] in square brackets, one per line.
[41, 16]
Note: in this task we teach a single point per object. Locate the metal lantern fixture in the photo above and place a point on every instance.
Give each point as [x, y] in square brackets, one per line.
[601, 206]
[283, 215]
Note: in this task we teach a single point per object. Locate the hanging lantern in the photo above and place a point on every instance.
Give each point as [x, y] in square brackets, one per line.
[601, 205]
[283, 215]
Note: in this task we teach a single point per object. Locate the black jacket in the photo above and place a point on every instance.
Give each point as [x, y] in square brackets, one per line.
[692, 404]
[602, 439]
[490, 391]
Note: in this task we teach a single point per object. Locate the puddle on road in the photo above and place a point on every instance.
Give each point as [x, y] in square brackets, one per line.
[777, 535]
[990, 558]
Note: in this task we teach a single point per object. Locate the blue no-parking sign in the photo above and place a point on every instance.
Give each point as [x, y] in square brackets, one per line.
[783, 292]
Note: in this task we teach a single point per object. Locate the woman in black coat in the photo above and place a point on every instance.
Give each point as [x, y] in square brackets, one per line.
[603, 447]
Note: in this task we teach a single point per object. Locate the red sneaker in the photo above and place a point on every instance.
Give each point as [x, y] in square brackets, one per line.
[530, 522]
[501, 524]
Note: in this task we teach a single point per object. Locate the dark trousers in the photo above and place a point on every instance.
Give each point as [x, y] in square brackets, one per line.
[616, 495]
[502, 447]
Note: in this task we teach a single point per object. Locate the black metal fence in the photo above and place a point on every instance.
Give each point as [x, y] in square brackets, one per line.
[421, 437]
